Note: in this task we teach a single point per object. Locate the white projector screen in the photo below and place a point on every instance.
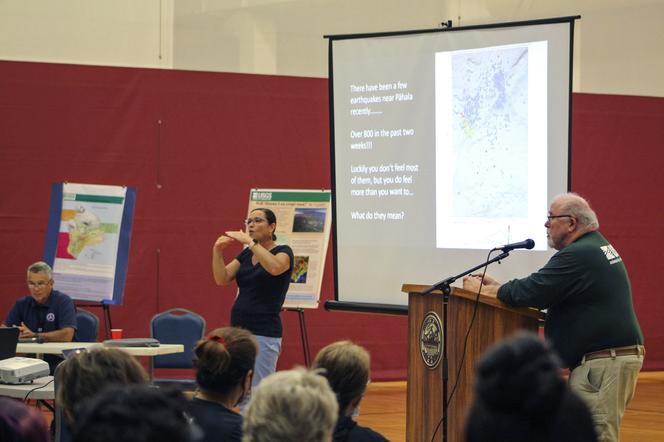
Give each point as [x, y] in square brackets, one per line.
[445, 144]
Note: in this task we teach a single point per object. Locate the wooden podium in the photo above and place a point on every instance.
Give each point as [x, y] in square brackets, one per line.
[430, 385]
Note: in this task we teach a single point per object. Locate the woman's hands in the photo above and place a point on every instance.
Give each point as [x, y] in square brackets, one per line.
[238, 235]
[224, 273]
[222, 243]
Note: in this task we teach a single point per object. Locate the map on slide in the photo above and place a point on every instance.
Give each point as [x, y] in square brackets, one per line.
[490, 132]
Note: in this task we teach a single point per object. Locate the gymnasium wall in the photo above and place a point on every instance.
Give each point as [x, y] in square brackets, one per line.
[194, 143]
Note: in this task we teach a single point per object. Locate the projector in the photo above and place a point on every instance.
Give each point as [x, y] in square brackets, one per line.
[22, 370]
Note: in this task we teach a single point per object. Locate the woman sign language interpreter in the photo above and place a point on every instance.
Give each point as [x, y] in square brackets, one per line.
[262, 271]
[258, 242]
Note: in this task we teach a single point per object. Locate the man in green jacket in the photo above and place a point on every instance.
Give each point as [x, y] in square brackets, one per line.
[590, 319]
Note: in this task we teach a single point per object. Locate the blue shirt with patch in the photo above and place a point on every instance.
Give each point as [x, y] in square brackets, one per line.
[56, 313]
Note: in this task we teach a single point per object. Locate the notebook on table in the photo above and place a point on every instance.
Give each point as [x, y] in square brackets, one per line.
[132, 342]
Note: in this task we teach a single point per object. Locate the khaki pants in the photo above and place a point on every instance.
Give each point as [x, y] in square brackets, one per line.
[607, 385]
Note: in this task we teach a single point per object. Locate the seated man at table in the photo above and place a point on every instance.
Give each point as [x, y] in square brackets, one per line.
[45, 314]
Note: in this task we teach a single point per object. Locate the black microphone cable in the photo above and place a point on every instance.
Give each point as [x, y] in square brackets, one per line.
[37, 388]
[465, 345]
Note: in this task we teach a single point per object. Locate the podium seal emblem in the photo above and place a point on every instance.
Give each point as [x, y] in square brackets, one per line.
[431, 340]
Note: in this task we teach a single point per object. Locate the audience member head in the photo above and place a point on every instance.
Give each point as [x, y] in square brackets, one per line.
[83, 374]
[134, 413]
[224, 363]
[346, 367]
[293, 405]
[20, 423]
[521, 397]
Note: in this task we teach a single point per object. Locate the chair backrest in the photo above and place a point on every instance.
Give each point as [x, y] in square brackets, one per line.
[87, 326]
[62, 430]
[177, 326]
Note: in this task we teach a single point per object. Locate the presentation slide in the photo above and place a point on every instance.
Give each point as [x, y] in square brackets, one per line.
[446, 145]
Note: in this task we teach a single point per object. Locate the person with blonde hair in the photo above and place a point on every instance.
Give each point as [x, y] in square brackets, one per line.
[346, 367]
[224, 363]
[291, 405]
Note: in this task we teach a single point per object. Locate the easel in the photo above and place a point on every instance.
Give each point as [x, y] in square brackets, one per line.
[105, 305]
[303, 334]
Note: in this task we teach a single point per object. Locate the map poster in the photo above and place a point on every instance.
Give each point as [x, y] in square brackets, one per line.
[303, 223]
[87, 241]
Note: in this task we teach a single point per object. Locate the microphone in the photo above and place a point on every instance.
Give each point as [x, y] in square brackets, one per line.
[525, 244]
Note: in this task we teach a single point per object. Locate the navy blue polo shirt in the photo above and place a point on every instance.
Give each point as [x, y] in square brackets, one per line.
[56, 313]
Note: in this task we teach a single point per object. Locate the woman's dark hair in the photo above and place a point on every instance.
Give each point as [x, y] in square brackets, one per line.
[20, 423]
[224, 358]
[134, 413]
[270, 217]
[521, 397]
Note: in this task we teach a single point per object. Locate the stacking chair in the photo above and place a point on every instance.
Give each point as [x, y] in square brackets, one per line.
[62, 430]
[87, 326]
[176, 326]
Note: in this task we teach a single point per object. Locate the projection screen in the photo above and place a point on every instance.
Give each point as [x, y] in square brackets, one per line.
[445, 144]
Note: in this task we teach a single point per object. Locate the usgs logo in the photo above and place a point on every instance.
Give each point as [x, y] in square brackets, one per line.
[261, 196]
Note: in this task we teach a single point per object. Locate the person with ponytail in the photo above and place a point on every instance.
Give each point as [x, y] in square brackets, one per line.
[262, 271]
[224, 364]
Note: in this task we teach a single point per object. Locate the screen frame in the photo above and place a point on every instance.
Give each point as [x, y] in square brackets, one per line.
[394, 309]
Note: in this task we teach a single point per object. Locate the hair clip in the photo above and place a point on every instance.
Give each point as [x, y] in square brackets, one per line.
[218, 339]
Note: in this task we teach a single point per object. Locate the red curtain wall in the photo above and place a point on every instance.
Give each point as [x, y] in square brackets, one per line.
[194, 143]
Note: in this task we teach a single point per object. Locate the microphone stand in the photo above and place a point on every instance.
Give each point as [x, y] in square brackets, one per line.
[444, 286]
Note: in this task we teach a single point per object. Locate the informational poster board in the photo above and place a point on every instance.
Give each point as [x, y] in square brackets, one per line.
[303, 223]
[87, 241]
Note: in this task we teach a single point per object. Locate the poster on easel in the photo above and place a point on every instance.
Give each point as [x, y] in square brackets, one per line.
[303, 223]
[87, 240]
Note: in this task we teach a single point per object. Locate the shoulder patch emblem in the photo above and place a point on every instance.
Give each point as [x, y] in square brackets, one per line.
[611, 254]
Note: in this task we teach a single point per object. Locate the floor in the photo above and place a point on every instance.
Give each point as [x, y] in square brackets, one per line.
[384, 409]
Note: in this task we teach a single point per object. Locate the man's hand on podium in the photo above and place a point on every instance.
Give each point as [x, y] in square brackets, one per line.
[489, 287]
